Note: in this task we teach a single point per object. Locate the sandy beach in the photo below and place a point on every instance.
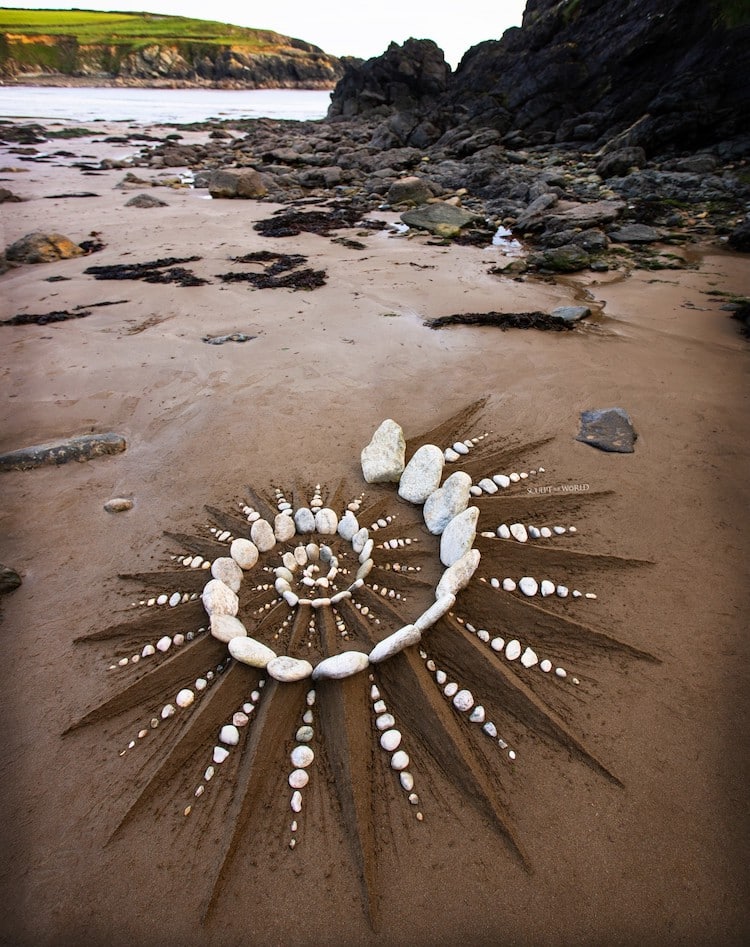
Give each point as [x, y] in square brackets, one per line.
[658, 859]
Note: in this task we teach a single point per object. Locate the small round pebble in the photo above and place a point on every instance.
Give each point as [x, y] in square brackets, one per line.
[299, 778]
[390, 740]
[399, 760]
[301, 756]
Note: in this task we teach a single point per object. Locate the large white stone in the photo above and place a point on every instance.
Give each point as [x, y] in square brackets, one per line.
[359, 539]
[326, 522]
[422, 474]
[518, 532]
[219, 599]
[391, 740]
[403, 638]
[435, 612]
[283, 527]
[348, 526]
[458, 536]
[447, 501]
[286, 669]
[226, 627]
[250, 651]
[341, 665]
[528, 585]
[261, 533]
[227, 570]
[458, 576]
[383, 458]
[244, 553]
[304, 520]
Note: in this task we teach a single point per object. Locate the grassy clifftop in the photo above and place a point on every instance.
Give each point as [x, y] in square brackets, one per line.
[142, 47]
[88, 27]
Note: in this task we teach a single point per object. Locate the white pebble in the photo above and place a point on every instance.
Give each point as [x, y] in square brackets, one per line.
[463, 701]
[503, 531]
[518, 532]
[385, 721]
[558, 530]
[514, 477]
[399, 760]
[497, 644]
[441, 677]
[168, 711]
[304, 735]
[547, 588]
[534, 533]
[590, 595]
[296, 801]
[495, 583]
[513, 649]
[546, 666]
[490, 729]
[164, 644]
[390, 740]
[220, 754]
[529, 658]
[407, 780]
[487, 485]
[240, 719]
[528, 586]
[561, 672]
[301, 756]
[174, 599]
[299, 778]
[184, 698]
[450, 689]
[244, 553]
[460, 448]
[478, 714]
[502, 481]
[229, 734]
[546, 532]
[562, 591]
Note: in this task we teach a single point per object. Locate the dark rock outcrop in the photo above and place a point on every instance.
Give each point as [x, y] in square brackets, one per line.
[608, 75]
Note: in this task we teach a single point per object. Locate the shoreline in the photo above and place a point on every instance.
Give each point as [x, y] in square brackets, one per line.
[293, 406]
[102, 82]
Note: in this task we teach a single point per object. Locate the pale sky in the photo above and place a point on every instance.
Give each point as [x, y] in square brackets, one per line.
[355, 29]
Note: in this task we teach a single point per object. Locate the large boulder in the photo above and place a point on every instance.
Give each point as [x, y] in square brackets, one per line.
[236, 183]
[439, 218]
[409, 190]
[41, 247]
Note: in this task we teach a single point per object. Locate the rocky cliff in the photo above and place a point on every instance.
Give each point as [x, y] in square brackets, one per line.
[593, 73]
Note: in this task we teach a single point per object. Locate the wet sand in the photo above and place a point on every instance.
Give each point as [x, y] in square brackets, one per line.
[658, 860]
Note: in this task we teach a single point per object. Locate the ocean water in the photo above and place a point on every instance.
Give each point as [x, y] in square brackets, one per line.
[155, 106]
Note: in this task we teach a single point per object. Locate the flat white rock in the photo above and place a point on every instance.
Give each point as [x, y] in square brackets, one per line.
[447, 501]
[286, 669]
[403, 638]
[283, 527]
[304, 520]
[518, 532]
[460, 448]
[450, 455]
[458, 536]
[528, 585]
[227, 570]
[348, 526]
[244, 553]
[487, 485]
[383, 458]
[262, 534]
[226, 628]
[435, 612]
[502, 481]
[458, 576]
[509, 585]
[219, 599]
[296, 802]
[326, 522]
[562, 591]
[422, 474]
[341, 665]
[250, 651]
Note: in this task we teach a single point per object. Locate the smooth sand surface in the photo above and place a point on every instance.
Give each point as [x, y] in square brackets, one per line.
[658, 860]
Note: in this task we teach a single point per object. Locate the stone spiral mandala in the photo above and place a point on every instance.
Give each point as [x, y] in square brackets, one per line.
[419, 625]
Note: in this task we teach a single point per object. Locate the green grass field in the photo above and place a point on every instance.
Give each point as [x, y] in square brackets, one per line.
[132, 29]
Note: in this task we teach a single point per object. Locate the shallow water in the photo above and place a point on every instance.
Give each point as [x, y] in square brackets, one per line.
[154, 106]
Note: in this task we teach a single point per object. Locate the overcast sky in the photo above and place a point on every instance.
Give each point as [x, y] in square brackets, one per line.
[350, 28]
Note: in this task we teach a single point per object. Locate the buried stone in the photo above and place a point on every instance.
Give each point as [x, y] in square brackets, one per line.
[75, 448]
